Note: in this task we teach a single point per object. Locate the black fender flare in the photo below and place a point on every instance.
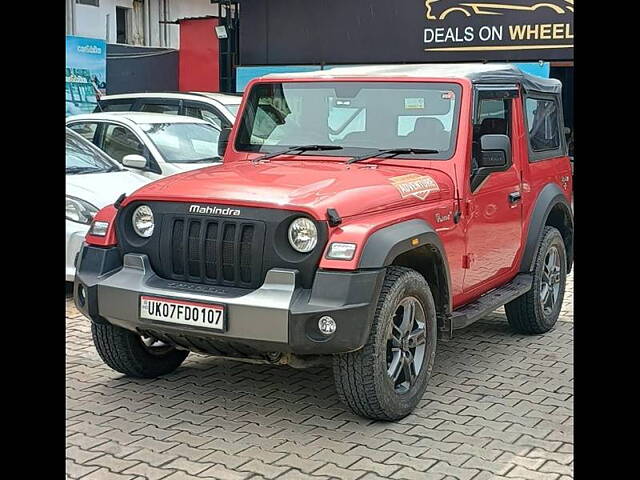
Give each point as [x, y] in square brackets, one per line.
[384, 245]
[550, 196]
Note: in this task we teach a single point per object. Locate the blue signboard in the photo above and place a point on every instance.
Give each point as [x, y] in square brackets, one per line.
[85, 73]
[245, 74]
[541, 69]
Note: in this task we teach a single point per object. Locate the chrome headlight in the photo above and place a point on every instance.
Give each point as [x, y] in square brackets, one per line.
[79, 211]
[143, 221]
[303, 235]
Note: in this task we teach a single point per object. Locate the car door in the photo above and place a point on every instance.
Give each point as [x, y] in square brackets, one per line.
[118, 140]
[494, 220]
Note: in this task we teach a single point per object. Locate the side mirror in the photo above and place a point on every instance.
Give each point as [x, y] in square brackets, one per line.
[134, 161]
[223, 141]
[495, 156]
[495, 152]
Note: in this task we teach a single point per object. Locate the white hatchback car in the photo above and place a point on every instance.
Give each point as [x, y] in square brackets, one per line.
[218, 108]
[93, 181]
[155, 144]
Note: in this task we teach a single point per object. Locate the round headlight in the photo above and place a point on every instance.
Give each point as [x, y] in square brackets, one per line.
[303, 235]
[143, 221]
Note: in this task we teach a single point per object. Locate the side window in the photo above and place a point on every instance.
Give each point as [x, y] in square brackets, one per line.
[493, 116]
[192, 112]
[120, 141]
[212, 118]
[197, 111]
[543, 126]
[114, 106]
[87, 130]
[160, 108]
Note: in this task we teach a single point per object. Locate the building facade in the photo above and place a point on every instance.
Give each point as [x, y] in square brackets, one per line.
[149, 23]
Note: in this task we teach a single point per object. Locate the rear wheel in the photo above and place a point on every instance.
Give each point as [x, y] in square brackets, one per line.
[134, 355]
[386, 379]
[537, 310]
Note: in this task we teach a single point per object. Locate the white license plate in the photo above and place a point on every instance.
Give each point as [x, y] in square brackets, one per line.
[183, 312]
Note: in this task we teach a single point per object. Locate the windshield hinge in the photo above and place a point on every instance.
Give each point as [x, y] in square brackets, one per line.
[333, 217]
[119, 201]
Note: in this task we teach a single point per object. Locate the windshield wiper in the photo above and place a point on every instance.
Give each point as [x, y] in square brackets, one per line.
[303, 148]
[205, 160]
[392, 152]
[74, 170]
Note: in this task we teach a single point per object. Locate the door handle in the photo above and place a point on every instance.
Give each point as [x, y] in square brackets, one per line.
[514, 197]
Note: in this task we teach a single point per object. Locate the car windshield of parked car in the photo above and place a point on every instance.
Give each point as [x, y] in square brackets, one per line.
[82, 157]
[184, 142]
[358, 116]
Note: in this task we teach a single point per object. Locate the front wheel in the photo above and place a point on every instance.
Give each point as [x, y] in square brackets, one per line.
[134, 355]
[386, 378]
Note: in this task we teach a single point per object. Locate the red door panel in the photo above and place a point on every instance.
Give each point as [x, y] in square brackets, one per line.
[199, 68]
[494, 223]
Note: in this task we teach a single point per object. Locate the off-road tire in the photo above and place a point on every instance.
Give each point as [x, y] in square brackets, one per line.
[525, 314]
[124, 352]
[361, 377]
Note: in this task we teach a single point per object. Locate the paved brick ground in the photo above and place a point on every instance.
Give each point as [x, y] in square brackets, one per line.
[499, 405]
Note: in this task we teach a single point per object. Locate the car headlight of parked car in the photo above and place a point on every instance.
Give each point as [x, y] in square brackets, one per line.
[80, 211]
[303, 235]
[143, 221]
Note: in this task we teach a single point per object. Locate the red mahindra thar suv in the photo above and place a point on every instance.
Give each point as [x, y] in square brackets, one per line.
[361, 215]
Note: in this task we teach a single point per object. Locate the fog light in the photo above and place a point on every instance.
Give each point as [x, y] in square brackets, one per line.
[327, 325]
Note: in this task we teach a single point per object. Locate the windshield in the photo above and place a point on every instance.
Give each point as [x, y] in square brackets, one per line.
[184, 142]
[82, 157]
[358, 116]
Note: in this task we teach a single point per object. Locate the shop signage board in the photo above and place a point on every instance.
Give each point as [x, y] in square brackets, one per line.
[497, 30]
[295, 32]
[85, 73]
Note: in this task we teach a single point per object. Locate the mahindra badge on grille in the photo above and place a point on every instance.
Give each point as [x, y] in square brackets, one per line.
[213, 210]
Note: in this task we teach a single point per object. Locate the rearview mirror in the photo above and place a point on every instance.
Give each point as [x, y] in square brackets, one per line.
[223, 140]
[134, 161]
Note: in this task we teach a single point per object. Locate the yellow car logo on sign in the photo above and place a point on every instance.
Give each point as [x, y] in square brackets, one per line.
[439, 9]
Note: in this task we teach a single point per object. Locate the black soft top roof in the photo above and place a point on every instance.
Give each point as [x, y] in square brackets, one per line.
[476, 72]
[512, 74]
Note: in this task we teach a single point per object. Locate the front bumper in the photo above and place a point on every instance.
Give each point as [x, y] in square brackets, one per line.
[280, 316]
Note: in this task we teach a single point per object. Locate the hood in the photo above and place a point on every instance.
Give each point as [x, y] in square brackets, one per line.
[311, 185]
[102, 189]
[185, 167]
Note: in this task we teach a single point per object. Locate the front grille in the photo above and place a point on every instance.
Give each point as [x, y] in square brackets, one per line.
[212, 251]
[218, 250]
